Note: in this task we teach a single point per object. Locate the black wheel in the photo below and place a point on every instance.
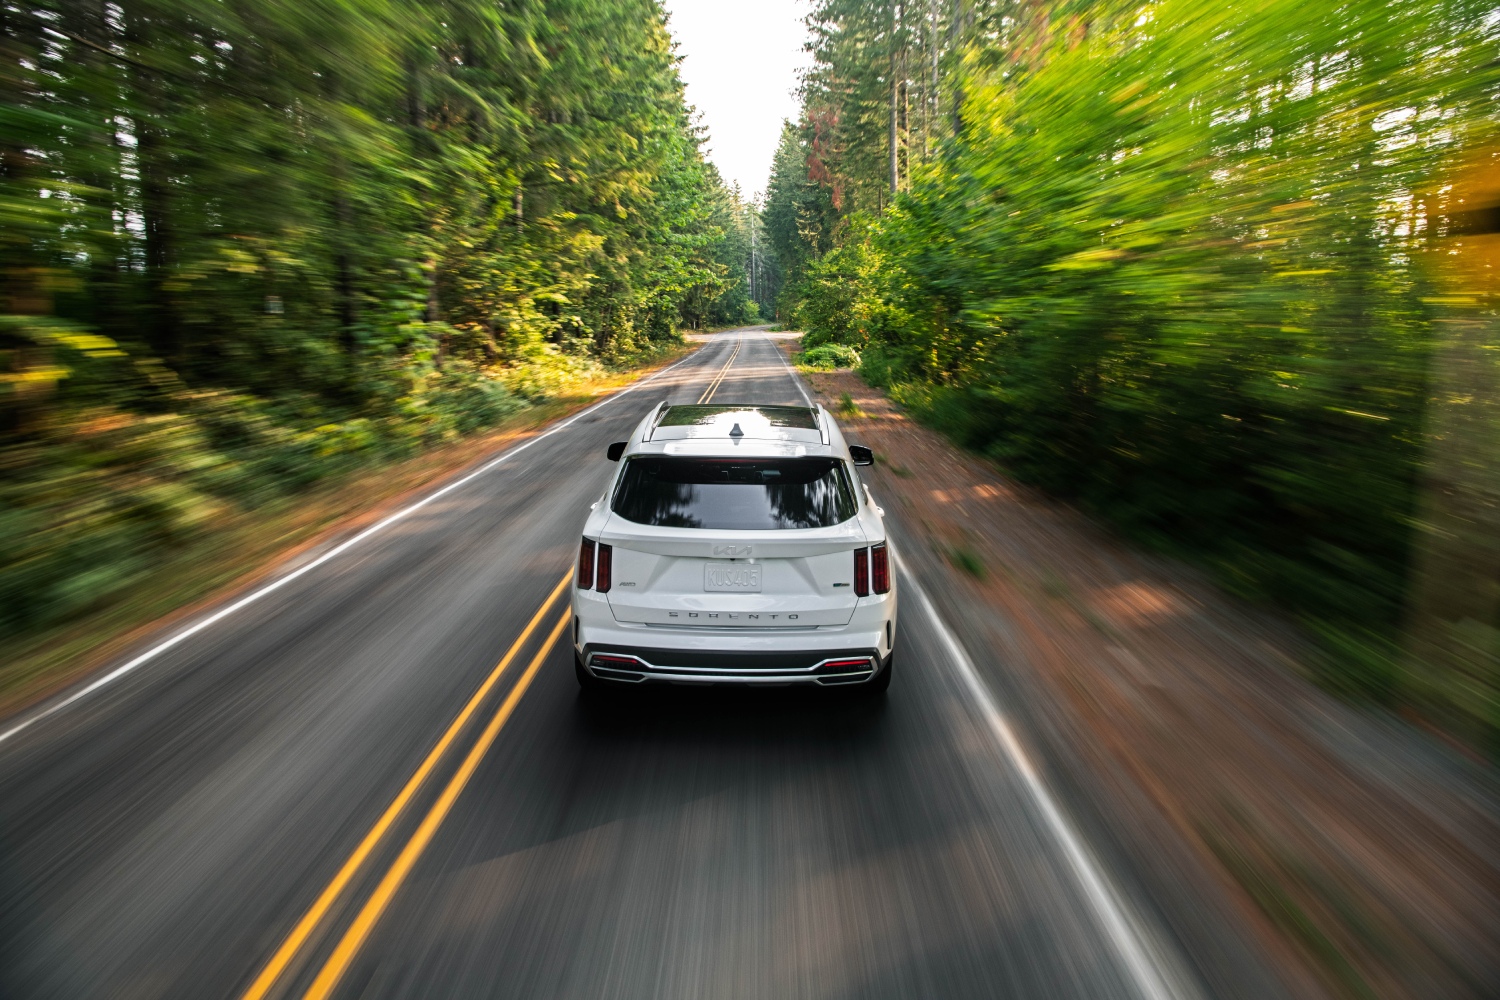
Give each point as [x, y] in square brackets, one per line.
[882, 681]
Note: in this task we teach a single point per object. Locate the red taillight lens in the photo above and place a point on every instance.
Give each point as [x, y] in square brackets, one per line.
[861, 572]
[586, 565]
[880, 570]
[844, 666]
[606, 566]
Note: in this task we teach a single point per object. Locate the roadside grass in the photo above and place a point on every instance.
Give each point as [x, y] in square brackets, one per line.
[1275, 886]
[244, 546]
[848, 407]
[964, 558]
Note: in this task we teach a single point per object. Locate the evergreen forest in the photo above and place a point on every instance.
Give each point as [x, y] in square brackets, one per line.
[249, 245]
[1219, 272]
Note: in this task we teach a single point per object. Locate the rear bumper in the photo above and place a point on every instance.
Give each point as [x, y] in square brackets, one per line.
[779, 668]
[761, 657]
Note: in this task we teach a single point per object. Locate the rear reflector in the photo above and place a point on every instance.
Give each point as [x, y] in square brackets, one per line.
[606, 566]
[619, 662]
[861, 572]
[846, 666]
[880, 570]
[586, 565]
[617, 668]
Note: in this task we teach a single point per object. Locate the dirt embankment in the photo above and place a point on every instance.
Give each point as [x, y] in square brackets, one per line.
[1363, 854]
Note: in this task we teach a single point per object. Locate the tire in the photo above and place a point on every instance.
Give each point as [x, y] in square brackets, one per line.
[882, 681]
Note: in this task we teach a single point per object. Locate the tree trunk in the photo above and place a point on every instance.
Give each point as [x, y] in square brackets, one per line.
[163, 334]
[344, 267]
[343, 221]
[1453, 616]
[955, 39]
[24, 292]
[932, 95]
[101, 169]
[895, 100]
[434, 312]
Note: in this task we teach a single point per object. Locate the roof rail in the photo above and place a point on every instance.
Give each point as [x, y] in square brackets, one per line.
[822, 422]
[661, 411]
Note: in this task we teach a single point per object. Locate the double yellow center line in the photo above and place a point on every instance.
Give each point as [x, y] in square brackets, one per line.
[354, 937]
[369, 915]
[714, 385]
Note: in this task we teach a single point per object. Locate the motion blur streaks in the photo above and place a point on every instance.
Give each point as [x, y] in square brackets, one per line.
[1218, 271]
[1366, 850]
[165, 835]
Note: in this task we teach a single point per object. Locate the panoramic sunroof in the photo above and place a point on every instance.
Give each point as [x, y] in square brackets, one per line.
[777, 416]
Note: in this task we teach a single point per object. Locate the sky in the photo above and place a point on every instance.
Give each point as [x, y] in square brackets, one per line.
[740, 63]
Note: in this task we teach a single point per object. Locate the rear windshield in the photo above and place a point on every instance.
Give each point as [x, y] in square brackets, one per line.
[734, 493]
[776, 416]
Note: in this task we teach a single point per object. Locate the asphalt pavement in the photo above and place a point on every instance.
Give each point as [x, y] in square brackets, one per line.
[236, 815]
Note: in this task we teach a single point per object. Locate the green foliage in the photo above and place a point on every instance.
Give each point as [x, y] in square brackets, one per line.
[840, 296]
[829, 356]
[249, 246]
[1175, 263]
[965, 559]
[848, 407]
[799, 214]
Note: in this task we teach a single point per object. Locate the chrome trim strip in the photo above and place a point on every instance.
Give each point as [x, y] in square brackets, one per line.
[719, 675]
[732, 671]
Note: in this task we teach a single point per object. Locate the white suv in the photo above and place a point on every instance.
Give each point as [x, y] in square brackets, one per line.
[736, 545]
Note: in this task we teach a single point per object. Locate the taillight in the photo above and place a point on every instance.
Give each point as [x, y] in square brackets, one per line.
[586, 565]
[861, 572]
[606, 559]
[844, 666]
[880, 570]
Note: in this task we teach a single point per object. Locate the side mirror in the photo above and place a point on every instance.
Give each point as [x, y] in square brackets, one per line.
[616, 450]
[861, 455]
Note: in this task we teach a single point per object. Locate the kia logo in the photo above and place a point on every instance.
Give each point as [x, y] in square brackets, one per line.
[732, 551]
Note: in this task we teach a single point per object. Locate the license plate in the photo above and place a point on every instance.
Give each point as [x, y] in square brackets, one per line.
[742, 577]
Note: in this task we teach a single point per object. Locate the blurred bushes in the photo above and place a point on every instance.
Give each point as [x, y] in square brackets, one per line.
[1179, 263]
[827, 357]
[95, 496]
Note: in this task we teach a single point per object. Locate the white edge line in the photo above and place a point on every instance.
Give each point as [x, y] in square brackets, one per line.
[1124, 931]
[277, 584]
[795, 380]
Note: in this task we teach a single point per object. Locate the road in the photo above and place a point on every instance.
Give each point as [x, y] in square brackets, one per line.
[218, 820]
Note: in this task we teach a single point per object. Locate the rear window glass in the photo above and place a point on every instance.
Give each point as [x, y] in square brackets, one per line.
[776, 416]
[734, 493]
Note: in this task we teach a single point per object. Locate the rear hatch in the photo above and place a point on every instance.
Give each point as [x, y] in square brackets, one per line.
[666, 576]
[757, 540]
